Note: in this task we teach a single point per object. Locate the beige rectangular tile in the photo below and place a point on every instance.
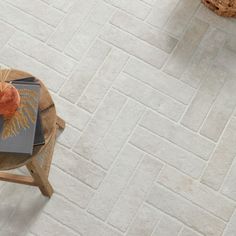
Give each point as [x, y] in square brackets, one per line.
[231, 228]
[159, 80]
[230, 42]
[167, 226]
[134, 46]
[72, 114]
[49, 1]
[43, 53]
[179, 135]
[99, 124]
[161, 12]
[229, 188]
[144, 222]
[70, 187]
[151, 2]
[63, 5]
[167, 152]
[8, 32]
[227, 55]
[143, 31]
[205, 97]
[24, 22]
[107, 150]
[185, 48]
[88, 31]
[189, 232]
[70, 24]
[30, 234]
[181, 16]
[149, 96]
[203, 57]
[77, 219]
[222, 158]
[221, 110]
[39, 10]
[185, 211]
[112, 186]
[197, 193]
[47, 226]
[69, 136]
[81, 169]
[84, 72]
[135, 7]
[103, 80]
[133, 196]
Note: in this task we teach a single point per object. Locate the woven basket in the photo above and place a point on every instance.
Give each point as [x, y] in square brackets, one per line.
[222, 7]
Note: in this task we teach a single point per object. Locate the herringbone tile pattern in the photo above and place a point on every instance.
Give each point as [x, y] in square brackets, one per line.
[148, 91]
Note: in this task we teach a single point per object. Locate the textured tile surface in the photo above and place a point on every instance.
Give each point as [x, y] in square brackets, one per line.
[148, 92]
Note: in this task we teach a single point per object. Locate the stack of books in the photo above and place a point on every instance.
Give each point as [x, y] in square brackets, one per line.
[20, 133]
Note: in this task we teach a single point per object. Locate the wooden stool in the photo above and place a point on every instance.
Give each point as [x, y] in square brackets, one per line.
[39, 163]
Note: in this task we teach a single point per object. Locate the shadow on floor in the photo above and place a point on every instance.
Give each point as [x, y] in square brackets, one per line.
[19, 208]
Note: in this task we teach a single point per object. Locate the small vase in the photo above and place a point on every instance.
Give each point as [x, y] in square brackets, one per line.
[9, 100]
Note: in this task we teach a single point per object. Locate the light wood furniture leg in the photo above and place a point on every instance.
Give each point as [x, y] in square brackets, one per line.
[18, 179]
[40, 178]
[61, 123]
[46, 165]
[48, 160]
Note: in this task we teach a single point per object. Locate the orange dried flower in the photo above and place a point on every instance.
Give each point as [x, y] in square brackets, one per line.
[9, 97]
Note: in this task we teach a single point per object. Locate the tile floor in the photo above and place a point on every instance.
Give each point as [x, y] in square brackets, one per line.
[148, 90]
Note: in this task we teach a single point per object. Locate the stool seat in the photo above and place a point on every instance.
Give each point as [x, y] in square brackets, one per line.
[39, 163]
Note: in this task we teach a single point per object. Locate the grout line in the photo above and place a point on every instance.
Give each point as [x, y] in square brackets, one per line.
[172, 216]
[225, 80]
[83, 211]
[94, 114]
[155, 89]
[146, 105]
[217, 145]
[62, 223]
[192, 202]
[83, 158]
[85, 20]
[39, 62]
[36, 17]
[74, 177]
[84, 56]
[125, 187]
[162, 161]
[146, 195]
[106, 59]
[133, 36]
[116, 159]
[18, 28]
[129, 13]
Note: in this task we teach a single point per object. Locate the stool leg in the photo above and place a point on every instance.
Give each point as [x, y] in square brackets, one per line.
[40, 178]
[61, 123]
[46, 165]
